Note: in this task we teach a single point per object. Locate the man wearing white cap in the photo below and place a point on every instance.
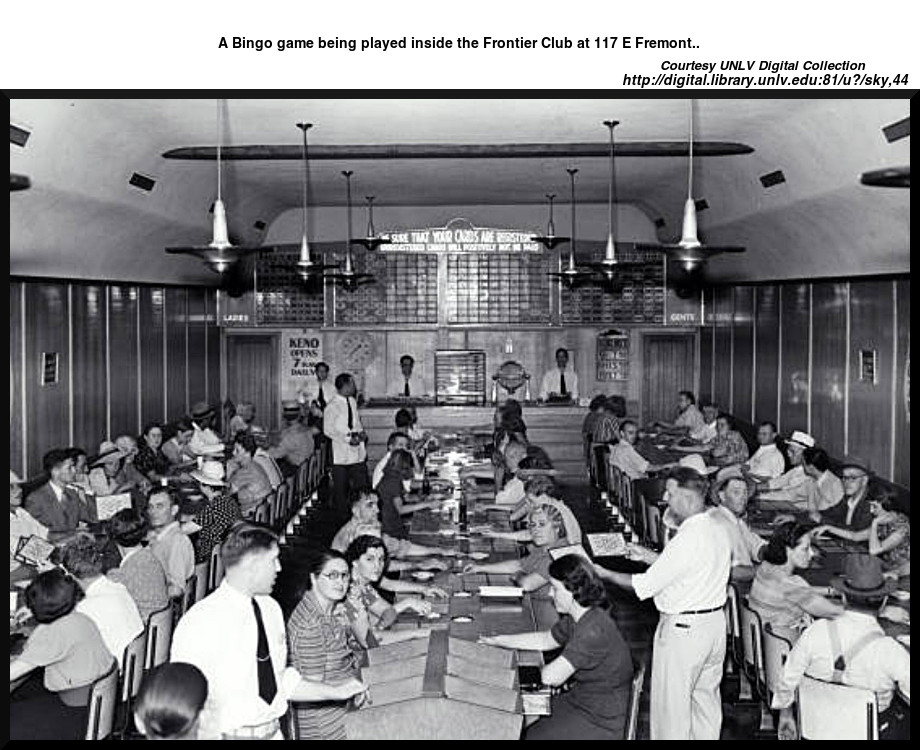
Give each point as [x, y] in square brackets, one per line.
[22, 525]
[795, 486]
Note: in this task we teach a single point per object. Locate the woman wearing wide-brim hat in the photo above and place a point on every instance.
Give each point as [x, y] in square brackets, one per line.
[105, 466]
[217, 514]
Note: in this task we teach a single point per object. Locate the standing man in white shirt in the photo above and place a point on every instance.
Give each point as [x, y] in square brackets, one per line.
[410, 384]
[688, 581]
[560, 382]
[342, 425]
[325, 391]
[236, 637]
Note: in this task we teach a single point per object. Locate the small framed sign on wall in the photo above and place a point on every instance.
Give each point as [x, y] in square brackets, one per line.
[868, 366]
[49, 368]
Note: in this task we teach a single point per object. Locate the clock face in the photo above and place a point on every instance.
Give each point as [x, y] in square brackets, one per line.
[357, 350]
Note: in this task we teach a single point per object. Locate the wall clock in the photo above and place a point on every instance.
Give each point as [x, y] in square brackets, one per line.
[357, 349]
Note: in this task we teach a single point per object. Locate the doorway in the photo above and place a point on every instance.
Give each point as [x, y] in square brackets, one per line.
[252, 375]
[669, 366]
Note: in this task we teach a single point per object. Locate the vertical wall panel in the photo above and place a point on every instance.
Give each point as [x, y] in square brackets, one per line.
[743, 353]
[176, 366]
[721, 356]
[794, 385]
[197, 347]
[16, 437]
[902, 389]
[829, 352]
[47, 407]
[213, 341]
[152, 311]
[871, 328]
[123, 368]
[766, 329]
[706, 364]
[90, 384]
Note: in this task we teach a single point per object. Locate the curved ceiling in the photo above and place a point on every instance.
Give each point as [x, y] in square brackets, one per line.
[81, 218]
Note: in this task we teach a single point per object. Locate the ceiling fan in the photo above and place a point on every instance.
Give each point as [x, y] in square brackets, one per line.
[220, 255]
[348, 278]
[898, 177]
[691, 254]
[571, 275]
[550, 239]
[371, 241]
[306, 267]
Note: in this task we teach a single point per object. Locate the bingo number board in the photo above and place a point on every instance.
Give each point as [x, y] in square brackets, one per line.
[281, 298]
[405, 290]
[637, 299]
[498, 288]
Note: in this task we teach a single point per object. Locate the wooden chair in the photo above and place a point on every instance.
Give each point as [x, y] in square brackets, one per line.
[215, 569]
[653, 525]
[182, 604]
[132, 673]
[752, 647]
[304, 476]
[635, 695]
[278, 501]
[828, 711]
[263, 512]
[733, 624]
[201, 579]
[158, 638]
[775, 652]
[290, 501]
[103, 696]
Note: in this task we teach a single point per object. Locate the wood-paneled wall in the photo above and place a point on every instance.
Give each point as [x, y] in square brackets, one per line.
[128, 354]
[790, 353]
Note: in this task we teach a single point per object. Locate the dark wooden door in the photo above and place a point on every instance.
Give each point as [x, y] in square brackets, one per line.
[252, 375]
[668, 367]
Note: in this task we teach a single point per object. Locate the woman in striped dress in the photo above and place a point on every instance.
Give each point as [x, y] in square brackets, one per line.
[319, 644]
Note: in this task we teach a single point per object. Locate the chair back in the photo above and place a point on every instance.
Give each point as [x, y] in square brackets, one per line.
[828, 711]
[635, 695]
[600, 452]
[201, 579]
[215, 569]
[653, 525]
[278, 503]
[752, 645]
[733, 623]
[132, 668]
[103, 695]
[263, 512]
[775, 652]
[159, 638]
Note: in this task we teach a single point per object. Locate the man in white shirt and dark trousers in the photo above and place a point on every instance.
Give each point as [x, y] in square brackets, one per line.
[410, 384]
[560, 382]
[236, 637]
[342, 425]
[688, 581]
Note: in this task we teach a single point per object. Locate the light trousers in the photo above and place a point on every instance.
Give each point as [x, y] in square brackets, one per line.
[687, 660]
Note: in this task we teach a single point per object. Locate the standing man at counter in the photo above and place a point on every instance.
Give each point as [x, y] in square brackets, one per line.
[560, 382]
[410, 384]
[325, 391]
[342, 425]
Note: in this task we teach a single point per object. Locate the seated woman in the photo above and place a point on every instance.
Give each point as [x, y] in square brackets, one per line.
[150, 459]
[170, 701]
[139, 571]
[176, 449]
[540, 490]
[531, 573]
[595, 659]
[319, 644]
[70, 648]
[392, 490]
[104, 474]
[785, 601]
[366, 611]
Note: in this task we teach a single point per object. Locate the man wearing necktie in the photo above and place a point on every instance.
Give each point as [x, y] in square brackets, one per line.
[236, 637]
[342, 425]
[560, 383]
[410, 384]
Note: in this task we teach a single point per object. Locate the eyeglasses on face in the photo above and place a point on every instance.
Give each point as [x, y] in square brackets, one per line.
[337, 575]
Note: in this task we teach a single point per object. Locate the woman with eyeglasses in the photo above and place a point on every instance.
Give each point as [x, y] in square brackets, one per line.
[319, 643]
[547, 530]
[595, 660]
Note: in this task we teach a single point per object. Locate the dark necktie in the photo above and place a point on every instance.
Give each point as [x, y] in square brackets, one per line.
[322, 398]
[267, 686]
[562, 388]
[351, 414]
[406, 389]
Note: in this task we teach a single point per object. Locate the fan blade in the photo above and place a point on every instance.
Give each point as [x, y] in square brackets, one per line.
[898, 177]
[549, 242]
[19, 182]
[371, 243]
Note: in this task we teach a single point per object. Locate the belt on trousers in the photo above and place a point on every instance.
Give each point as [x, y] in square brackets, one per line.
[702, 611]
[255, 732]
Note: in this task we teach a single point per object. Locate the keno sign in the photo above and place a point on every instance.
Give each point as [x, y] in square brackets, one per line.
[301, 349]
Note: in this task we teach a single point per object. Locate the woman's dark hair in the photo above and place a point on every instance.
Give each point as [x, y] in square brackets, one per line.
[785, 537]
[536, 458]
[539, 485]
[128, 528]
[183, 424]
[362, 544]
[580, 579]
[315, 562]
[512, 426]
[81, 556]
[75, 452]
[729, 421]
[512, 408]
[52, 595]
[244, 537]
[597, 402]
[887, 498]
[247, 441]
[171, 697]
[816, 457]
[688, 395]
[403, 419]
[400, 463]
[150, 426]
[616, 405]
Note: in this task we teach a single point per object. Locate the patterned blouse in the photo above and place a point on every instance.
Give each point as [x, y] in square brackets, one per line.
[900, 555]
[215, 518]
[729, 449]
[148, 460]
[320, 650]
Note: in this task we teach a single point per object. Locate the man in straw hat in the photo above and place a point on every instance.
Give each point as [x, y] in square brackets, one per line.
[851, 517]
[852, 649]
[296, 443]
[795, 486]
[205, 441]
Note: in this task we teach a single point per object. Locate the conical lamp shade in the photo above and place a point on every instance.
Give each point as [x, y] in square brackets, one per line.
[689, 239]
[221, 240]
[610, 251]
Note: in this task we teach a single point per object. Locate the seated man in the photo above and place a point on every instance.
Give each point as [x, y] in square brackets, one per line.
[795, 486]
[607, 425]
[767, 462]
[852, 649]
[727, 448]
[827, 489]
[707, 432]
[731, 496]
[243, 420]
[248, 480]
[54, 504]
[851, 517]
[296, 443]
[560, 382]
[626, 458]
[167, 542]
[513, 491]
[688, 418]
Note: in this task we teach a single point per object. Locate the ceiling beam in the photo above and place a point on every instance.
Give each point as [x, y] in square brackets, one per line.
[460, 151]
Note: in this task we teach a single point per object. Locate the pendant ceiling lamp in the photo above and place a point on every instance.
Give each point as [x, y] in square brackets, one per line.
[571, 275]
[306, 267]
[550, 240]
[689, 252]
[348, 278]
[371, 241]
[220, 255]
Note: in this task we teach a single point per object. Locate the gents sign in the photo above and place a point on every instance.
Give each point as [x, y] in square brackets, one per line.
[301, 349]
[459, 236]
